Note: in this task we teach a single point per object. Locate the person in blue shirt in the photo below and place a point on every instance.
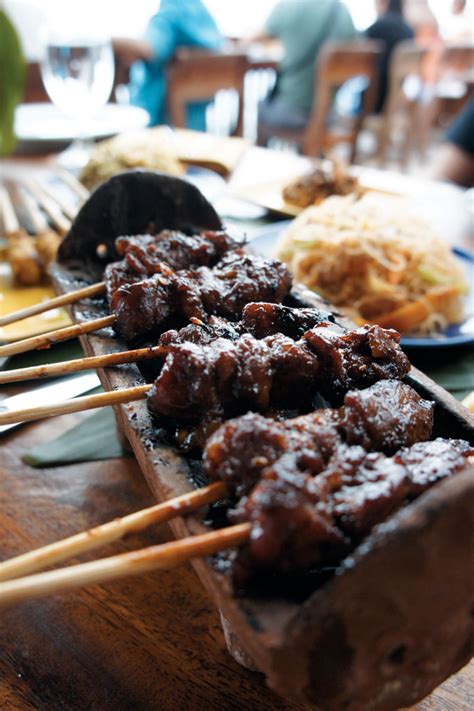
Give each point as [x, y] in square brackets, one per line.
[178, 23]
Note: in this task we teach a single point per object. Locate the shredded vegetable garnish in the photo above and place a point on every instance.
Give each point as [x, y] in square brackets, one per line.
[371, 258]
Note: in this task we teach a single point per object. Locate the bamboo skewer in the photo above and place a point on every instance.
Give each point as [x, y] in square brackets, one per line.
[78, 404]
[70, 298]
[49, 206]
[160, 557]
[11, 226]
[60, 334]
[38, 220]
[75, 366]
[73, 183]
[21, 249]
[47, 240]
[69, 210]
[115, 530]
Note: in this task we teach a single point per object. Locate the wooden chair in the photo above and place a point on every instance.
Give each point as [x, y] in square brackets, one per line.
[337, 63]
[407, 61]
[34, 90]
[454, 75]
[196, 75]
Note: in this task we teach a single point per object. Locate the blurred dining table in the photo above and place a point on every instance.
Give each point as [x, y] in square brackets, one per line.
[154, 642]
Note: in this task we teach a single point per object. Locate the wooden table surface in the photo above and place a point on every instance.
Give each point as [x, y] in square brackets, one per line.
[148, 643]
[153, 642]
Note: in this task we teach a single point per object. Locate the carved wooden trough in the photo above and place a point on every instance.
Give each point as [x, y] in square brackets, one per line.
[397, 618]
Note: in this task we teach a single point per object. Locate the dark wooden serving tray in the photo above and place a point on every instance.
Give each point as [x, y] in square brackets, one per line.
[393, 624]
[397, 618]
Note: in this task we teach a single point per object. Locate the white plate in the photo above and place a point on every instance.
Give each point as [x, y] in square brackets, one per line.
[40, 124]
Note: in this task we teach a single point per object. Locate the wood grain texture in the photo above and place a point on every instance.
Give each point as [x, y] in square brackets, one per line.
[264, 629]
[153, 643]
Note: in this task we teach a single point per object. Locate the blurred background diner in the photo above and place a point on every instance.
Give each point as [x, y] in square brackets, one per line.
[377, 82]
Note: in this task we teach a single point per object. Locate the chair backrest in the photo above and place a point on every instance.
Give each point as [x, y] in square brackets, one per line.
[407, 61]
[336, 63]
[197, 75]
[34, 88]
[456, 58]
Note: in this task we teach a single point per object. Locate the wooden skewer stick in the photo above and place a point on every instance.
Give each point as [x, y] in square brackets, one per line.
[69, 210]
[70, 298]
[73, 183]
[49, 206]
[112, 531]
[60, 334]
[21, 249]
[77, 404]
[160, 557]
[11, 226]
[47, 240]
[75, 366]
[37, 218]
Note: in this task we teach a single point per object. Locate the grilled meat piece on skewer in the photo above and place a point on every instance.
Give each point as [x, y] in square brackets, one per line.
[239, 278]
[146, 255]
[262, 320]
[143, 253]
[203, 332]
[300, 521]
[208, 383]
[384, 417]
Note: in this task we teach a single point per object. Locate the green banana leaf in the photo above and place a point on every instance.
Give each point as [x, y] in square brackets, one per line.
[12, 78]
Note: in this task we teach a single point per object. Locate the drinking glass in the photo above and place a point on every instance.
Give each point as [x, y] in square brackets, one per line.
[78, 74]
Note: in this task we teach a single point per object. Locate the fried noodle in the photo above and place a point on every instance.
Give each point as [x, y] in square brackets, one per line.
[371, 257]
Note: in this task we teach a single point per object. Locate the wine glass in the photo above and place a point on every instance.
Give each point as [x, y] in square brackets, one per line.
[78, 74]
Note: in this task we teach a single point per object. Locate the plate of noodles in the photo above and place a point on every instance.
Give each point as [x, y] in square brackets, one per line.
[377, 262]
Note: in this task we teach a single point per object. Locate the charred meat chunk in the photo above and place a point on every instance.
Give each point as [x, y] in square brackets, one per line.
[236, 280]
[146, 255]
[199, 380]
[142, 308]
[203, 332]
[241, 450]
[247, 446]
[118, 274]
[290, 530]
[356, 359]
[143, 254]
[227, 378]
[299, 521]
[262, 320]
[386, 416]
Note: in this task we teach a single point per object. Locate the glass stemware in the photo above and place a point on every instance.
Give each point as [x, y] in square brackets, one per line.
[78, 74]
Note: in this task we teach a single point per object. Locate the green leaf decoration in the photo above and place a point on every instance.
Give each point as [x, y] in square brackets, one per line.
[12, 78]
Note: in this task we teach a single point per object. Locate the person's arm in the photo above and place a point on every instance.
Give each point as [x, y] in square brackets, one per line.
[161, 34]
[157, 45]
